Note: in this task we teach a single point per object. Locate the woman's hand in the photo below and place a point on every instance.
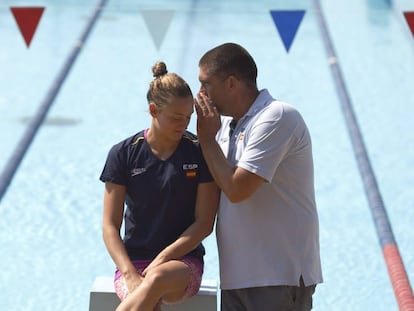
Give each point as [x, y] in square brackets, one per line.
[133, 280]
[159, 260]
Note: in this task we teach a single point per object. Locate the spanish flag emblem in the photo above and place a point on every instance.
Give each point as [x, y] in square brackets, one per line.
[191, 173]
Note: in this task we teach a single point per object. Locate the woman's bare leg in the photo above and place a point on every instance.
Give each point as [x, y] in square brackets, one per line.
[167, 281]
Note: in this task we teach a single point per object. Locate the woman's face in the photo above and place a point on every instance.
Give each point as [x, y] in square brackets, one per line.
[173, 119]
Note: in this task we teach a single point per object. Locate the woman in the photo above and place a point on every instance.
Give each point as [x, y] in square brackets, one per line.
[171, 202]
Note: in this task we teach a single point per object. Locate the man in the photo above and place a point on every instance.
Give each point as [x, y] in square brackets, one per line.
[260, 155]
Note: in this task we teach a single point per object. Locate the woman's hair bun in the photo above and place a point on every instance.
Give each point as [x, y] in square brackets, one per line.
[159, 69]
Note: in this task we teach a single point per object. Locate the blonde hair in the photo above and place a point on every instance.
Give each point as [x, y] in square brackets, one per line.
[166, 86]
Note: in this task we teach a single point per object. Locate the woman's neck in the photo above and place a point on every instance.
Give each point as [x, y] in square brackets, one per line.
[160, 145]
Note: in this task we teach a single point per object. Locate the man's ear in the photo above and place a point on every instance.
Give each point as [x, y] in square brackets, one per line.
[232, 82]
[153, 109]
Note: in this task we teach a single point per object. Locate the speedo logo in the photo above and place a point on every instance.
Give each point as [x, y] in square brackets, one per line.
[137, 171]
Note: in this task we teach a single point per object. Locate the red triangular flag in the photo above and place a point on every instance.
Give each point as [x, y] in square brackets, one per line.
[27, 19]
[409, 17]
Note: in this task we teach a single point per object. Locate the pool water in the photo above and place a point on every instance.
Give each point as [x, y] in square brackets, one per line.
[50, 216]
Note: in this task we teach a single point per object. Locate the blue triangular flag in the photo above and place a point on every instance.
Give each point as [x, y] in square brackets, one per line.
[287, 24]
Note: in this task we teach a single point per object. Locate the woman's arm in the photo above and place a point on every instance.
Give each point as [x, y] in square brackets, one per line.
[205, 214]
[114, 198]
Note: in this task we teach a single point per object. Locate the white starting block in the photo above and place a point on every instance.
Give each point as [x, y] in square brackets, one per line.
[104, 298]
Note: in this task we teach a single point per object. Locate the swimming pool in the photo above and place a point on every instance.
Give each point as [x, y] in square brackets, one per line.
[50, 216]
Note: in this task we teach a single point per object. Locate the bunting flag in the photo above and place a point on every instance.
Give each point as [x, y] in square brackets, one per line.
[409, 17]
[158, 22]
[27, 19]
[287, 24]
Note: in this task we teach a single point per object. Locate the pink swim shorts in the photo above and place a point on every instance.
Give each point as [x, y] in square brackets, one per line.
[193, 263]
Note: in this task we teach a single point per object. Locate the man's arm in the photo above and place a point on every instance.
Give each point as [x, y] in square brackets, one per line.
[237, 183]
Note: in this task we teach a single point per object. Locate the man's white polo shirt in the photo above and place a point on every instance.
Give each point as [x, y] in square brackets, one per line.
[271, 238]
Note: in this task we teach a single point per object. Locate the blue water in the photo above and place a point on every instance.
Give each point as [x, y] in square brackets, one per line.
[50, 217]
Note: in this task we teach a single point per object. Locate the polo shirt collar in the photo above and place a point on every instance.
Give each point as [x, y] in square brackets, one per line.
[261, 101]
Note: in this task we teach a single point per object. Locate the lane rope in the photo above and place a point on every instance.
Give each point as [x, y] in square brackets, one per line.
[393, 260]
[23, 145]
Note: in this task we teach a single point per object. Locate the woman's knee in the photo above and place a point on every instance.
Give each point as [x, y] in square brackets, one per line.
[167, 280]
[155, 278]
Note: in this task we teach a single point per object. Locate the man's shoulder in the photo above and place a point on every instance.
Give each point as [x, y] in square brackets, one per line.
[278, 110]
